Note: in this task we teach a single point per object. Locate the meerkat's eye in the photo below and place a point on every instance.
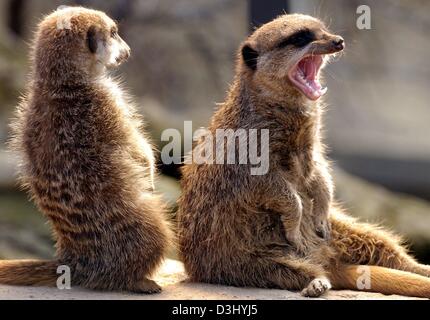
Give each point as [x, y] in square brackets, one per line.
[114, 33]
[299, 39]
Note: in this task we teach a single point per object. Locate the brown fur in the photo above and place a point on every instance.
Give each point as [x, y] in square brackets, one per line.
[85, 162]
[273, 231]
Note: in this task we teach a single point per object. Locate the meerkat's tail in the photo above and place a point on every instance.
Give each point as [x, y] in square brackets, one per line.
[381, 280]
[28, 273]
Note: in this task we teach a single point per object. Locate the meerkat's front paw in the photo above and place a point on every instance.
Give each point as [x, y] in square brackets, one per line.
[317, 288]
[296, 241]
[147, 287]
[323, 228]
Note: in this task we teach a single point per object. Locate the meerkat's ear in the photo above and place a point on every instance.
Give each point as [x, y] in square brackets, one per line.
[93, 39]
[250, 56]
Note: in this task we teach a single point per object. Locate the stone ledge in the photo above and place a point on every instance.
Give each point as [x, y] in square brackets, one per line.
[172, 277]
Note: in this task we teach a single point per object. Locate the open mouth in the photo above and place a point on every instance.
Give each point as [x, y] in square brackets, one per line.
[304, 75]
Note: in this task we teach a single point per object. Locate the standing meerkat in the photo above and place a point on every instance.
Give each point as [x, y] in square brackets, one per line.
[85, 161]
[283, 230]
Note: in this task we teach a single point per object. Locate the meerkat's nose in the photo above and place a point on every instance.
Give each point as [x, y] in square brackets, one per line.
[126, 51]
[124, 56]
[127, 54]
[339, 43]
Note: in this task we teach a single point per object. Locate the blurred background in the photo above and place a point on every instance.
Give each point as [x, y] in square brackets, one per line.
[377, 125]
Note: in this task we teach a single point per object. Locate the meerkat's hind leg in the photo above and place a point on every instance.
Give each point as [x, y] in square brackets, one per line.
[364, 244]
[317, 288]
[300, 274]
[421, 269]
[147, 286]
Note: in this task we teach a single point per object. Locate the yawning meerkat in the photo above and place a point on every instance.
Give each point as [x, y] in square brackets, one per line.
[274, 231]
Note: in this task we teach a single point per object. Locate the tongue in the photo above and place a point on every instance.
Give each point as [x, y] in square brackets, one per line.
[309, 68]
[306, 74]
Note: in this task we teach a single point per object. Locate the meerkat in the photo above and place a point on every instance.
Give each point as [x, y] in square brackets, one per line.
[86, 162]
[283, 229]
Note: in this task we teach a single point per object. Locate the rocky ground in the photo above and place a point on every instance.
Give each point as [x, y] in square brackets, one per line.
[173, 279]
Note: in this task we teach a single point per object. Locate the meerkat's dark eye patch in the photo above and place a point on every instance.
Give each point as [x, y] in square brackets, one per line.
[299, 39]
[92, 39]
[250, 57]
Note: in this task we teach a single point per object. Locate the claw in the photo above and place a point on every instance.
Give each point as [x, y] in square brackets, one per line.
[323, 230]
